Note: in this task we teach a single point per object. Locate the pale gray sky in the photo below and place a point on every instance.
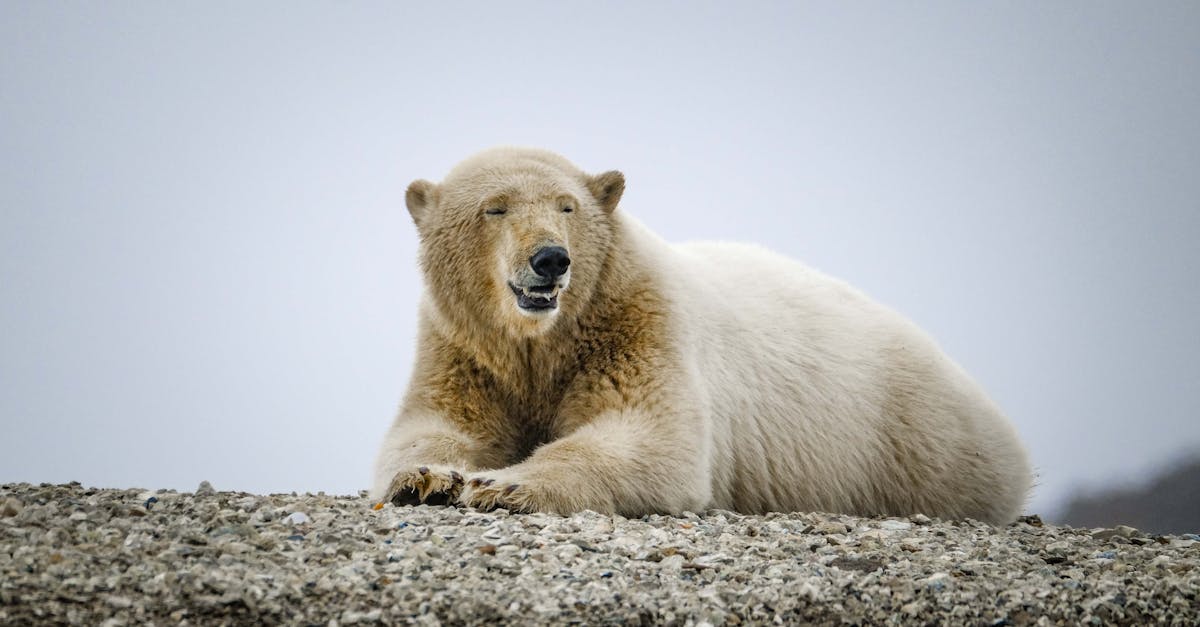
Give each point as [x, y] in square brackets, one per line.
[207, 271]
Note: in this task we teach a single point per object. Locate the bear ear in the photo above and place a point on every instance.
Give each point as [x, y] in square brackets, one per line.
[607, 188]
[421, 195]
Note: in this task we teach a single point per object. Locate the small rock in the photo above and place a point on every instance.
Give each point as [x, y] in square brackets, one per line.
[830, 528]
[119, 602]
[1058, 548]
[1129, 532]
[193, 537]
[937, 581]
[584, 545]
[265, 543]
[1107, 534]
[860, 564]
[236, 548]
[975, 567]
[296, 518]
[567, 552]
[352, 617]
[1120, 531]
[921, 519]
[205, 489]
[1056, 552]
[11, 508]
[673, 563]
[710, 561]
[895, 525]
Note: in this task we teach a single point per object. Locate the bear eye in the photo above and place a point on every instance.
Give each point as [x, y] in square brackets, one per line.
[496, 211]
[567, 209]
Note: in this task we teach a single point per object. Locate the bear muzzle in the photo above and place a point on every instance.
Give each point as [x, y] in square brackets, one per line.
[538, 285]
[537, 298]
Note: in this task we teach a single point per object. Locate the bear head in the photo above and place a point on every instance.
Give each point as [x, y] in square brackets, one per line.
[513, 240]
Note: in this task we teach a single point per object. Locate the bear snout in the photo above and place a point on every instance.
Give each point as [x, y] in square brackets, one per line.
[550, 262]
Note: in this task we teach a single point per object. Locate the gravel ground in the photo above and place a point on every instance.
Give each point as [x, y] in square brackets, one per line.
[70, 554]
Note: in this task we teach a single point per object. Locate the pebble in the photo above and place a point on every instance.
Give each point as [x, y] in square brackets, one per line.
[11, 508]
[296, 518]
[937, 581]
[1120, 531]
[205, 489]
[831, 528]
[1058, 548]
[82, 556]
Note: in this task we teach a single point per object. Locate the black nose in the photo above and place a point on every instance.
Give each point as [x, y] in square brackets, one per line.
[550, 262]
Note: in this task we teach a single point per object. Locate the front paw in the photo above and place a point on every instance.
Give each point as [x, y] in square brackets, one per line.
[431, 485]
[496, 490]
[522, 492]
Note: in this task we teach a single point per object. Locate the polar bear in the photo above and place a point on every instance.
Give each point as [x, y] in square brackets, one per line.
[570, 359]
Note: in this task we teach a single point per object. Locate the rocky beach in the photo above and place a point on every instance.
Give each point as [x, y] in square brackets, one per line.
[70, 554]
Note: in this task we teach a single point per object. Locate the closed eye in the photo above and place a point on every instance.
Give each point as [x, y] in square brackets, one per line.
[496, 211]
[568, 209]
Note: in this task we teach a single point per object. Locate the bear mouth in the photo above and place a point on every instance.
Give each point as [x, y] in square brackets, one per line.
[536, 298]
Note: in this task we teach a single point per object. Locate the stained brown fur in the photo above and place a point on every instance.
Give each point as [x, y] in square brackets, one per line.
[497, 390]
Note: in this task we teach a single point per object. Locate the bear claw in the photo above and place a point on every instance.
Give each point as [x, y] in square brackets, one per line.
[406, 496]
[488, 494]
[425, 485]
[438, 498]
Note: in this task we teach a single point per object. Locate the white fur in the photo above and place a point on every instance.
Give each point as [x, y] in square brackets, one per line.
[794, 371]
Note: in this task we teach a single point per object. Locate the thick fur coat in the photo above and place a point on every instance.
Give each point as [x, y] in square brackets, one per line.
[650, 377]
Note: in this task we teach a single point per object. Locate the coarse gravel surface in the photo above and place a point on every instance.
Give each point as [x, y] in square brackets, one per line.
[70, 554]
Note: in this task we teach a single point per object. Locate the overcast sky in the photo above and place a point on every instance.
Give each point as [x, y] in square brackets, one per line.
[207, 271]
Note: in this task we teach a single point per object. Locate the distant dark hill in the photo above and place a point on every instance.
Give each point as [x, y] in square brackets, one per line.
[1168, 504]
